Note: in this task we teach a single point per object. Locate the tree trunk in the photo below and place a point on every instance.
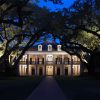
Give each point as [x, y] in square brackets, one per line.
[94, 63]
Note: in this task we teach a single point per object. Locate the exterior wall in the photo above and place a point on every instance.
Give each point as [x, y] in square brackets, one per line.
[62, 63]
[22, 70]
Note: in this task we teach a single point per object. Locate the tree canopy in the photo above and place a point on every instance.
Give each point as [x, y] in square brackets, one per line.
[22, 23]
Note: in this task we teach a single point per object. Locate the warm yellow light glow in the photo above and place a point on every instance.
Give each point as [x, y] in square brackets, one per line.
[22, 70]
[49, 65]
[49, 70]
[76, 70]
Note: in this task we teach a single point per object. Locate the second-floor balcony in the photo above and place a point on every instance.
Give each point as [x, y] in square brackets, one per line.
[27, 62]
[58, 62]
[71, 62]
[76, 63]
[49, 62]
[22, 63]
[40, 62]
[67, 62]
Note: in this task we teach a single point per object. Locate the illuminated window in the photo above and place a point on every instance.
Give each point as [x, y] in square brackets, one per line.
[49, 47]
[74, 58]
[59, 47]
[39, 47]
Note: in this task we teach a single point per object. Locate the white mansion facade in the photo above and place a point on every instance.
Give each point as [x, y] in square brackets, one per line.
[48, 59]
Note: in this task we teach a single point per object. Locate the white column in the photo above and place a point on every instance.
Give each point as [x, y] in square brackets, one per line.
[53, 65]
[71, 66]
[36, 73]
[27, 62]
[69, 70]
[24, 70]
[63, 72]
[55, 70]
[20, 70]
[45, 64]
[78, 69]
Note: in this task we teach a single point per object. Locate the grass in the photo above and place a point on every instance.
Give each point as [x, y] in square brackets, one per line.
[18, 88]
[80, 88]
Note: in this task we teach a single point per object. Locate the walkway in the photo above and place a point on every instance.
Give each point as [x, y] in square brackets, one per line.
[47, 90]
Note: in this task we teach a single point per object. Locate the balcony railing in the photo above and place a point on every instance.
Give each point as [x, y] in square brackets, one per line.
[76, 62]
[22, 62]
[58, 62]
[40, 62]
[32, 62]
[29, 62]
[50, 62]
[69, 62]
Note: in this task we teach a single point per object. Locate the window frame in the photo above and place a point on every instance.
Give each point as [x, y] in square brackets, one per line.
[39, 47]
[49, 47]
[58, 47]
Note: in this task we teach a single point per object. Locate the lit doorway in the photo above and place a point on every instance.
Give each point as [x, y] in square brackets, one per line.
[49, 70]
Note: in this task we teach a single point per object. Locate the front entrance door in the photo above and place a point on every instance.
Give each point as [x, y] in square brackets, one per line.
[49, 70]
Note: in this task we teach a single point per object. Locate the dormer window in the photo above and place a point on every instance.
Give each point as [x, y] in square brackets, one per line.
[49, 47]
[59, 47]
[39, 47]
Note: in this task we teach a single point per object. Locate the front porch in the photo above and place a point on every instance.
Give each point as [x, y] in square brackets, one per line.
[49, 64]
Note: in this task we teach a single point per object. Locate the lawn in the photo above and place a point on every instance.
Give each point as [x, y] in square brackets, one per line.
[18, 88]
[79, 88]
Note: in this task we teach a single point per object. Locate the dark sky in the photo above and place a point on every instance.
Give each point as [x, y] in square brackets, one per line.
[51, 6]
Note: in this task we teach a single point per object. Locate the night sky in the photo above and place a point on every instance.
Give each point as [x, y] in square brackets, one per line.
[53, 7]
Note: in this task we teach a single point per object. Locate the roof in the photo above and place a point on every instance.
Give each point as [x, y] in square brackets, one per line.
[44, 47]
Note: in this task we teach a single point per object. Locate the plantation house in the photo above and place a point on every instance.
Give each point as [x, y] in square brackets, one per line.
[48, 59]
